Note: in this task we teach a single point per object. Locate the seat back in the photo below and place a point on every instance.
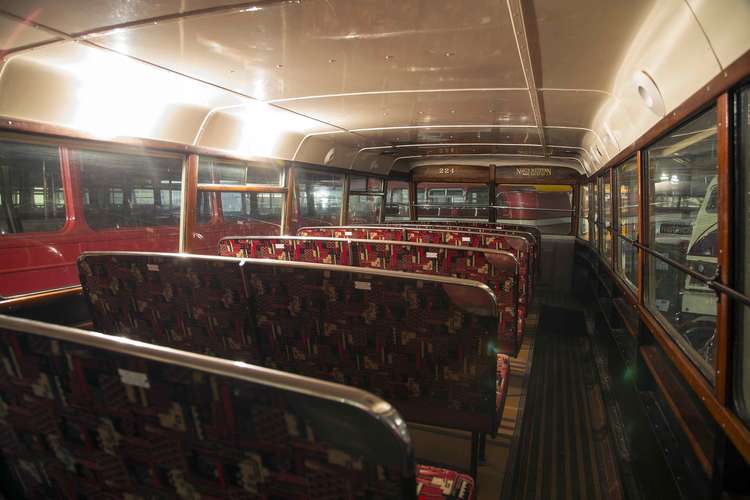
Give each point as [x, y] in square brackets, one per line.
[427, 343]
[86, 415]
[518, 245]
[193, 302]
[497, 269]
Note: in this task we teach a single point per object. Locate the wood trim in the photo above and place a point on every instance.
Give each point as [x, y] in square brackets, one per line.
[627, 315]
[642, 225]
[576, 209]
[412, 200]
[492, 194]
[531, 180]
[729, 423]
[286, 217]
[189, 218]
[242, 188]
[702, 98]
[724, 340]
[344, 215]
[678, 402]
[20, 301]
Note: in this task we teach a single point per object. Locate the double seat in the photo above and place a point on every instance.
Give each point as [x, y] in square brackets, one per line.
[87, 415]
[498, 269]
[425, 343]
[517, 245]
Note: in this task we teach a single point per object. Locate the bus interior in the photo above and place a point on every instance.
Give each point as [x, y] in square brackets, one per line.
[370, 249]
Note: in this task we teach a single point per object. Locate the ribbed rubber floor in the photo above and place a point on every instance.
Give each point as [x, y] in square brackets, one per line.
[564, 451]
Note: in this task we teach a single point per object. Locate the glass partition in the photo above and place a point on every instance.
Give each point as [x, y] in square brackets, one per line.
[220, 171]
[397, 200]
[317, 199]
[365, 199]
[222, 213]
[607, 217]
[682, 215]
[627, 186]
[549, 207]
[583, 213]
[595, 230]
[440, 200]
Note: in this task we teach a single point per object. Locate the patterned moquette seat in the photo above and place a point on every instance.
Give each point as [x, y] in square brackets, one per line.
[426, 343]
[496, 269]
[194, 303]
[83, 416]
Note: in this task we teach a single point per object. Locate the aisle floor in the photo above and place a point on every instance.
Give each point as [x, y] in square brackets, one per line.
[564, 450]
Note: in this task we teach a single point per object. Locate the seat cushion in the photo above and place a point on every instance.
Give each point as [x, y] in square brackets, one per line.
[437, 483]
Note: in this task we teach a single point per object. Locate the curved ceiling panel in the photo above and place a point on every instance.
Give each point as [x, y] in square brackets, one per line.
[727, 25]
[14, 34]
[418, 108]
[456, 134]
[75, 16]
[571, 108]
[317, 47]
[578, 44]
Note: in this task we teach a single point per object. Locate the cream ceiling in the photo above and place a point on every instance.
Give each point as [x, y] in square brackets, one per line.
[365, 84]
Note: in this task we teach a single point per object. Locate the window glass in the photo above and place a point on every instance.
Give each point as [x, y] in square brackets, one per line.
[222, 214]
[546, 206]
[595, 213]
[364, 208]
[318, 198]
[607, 216]
[439, 200]
[683, 225]
[215, 171]
[32, 215]
[583, 211]
[397, 201]
[360, 183]
[31, 190]
[742, 353]
[129, 191]
[627, 182]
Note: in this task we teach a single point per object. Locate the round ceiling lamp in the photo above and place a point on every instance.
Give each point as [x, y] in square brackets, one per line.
[649, 92]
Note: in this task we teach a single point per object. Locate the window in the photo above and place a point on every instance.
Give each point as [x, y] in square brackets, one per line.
[452, 201]
[546, 206]
[216, 171]
[365, 184]
[583, 213]
[595, 213]
[627, 186]
[318, 199]
[741, 357]
[363, 206]
[222, 213]
[31, 189]
[683, 225]
[397, 201]
[129, 191]
[607, 217]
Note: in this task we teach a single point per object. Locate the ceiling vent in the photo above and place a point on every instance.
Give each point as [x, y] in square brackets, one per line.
[649, 92]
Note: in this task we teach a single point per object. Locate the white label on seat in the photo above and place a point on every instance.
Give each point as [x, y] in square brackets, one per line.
[363, 285]
[152, 267]
[279, 246]
[134, 378]
[347, 233]
[465, 238]
[432, 255]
